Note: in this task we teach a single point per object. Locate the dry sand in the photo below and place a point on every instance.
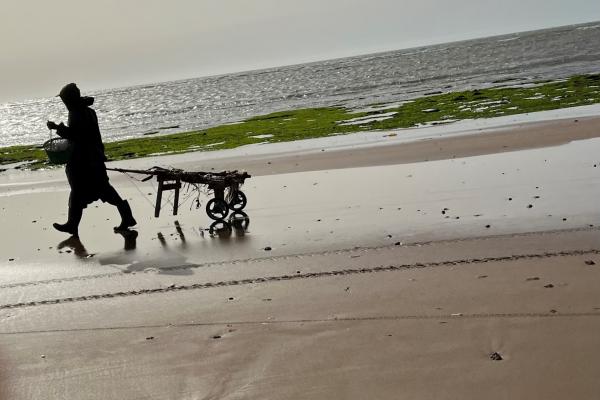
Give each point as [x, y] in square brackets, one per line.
[395, 271]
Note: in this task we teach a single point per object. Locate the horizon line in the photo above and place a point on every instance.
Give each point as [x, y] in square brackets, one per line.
[308, 62]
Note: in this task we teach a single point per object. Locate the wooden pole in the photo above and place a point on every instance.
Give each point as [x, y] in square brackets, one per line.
[158, 198]
[176, 202]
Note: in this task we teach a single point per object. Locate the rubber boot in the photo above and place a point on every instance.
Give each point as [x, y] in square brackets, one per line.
[127, 220]
[72, 224]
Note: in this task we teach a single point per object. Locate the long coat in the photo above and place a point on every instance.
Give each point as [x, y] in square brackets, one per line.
[85, 167]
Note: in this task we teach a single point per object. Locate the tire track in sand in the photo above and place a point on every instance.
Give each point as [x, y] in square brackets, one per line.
[309, 275]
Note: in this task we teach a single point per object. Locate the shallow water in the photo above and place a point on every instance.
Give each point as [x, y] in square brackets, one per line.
[354, 82]
[500, 194]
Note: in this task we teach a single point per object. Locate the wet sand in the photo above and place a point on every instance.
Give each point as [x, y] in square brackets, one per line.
[365, 272]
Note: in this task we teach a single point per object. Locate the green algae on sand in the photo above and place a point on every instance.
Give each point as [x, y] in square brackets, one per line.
[319, 122]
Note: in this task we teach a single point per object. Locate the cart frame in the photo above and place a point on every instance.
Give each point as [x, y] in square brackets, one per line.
[171, 179]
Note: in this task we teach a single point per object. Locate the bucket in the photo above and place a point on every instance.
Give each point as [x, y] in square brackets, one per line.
[58, 150]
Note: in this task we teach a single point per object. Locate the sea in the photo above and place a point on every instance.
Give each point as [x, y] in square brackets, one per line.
[353, 82]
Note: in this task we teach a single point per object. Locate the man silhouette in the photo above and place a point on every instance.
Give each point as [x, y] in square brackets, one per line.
[85, 169]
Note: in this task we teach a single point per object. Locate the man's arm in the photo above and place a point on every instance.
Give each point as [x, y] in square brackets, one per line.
[65, 131]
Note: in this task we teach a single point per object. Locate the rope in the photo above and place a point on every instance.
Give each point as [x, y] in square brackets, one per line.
[132, 179]
[196, 190]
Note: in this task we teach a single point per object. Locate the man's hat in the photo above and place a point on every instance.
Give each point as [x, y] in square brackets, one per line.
[70, 91]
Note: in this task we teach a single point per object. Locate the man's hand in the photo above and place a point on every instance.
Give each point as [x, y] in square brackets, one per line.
[51, 125]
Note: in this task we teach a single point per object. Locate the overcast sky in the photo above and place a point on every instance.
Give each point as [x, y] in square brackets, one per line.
[112, 43]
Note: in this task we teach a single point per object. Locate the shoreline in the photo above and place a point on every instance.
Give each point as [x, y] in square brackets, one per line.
[435, 111]
[463, 139]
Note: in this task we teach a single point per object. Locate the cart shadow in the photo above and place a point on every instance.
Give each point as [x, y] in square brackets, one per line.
[169, 260]
[237, 223]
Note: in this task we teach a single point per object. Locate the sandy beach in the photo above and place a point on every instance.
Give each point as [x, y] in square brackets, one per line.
[458, 261]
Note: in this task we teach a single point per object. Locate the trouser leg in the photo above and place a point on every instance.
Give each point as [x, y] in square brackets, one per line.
[111, 196]
[75, 210]
[74, 216]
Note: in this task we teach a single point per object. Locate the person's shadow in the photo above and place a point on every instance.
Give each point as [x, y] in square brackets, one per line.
[130, 239]
[74, 243]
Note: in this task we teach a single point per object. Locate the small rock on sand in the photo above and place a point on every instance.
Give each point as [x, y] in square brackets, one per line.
[268, 248]
[590, 262]
[549, 286]
[496, 356]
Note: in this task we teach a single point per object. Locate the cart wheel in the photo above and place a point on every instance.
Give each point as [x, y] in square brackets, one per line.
[217, 209]
[220, 228]
[238, 201]
[239, 220]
